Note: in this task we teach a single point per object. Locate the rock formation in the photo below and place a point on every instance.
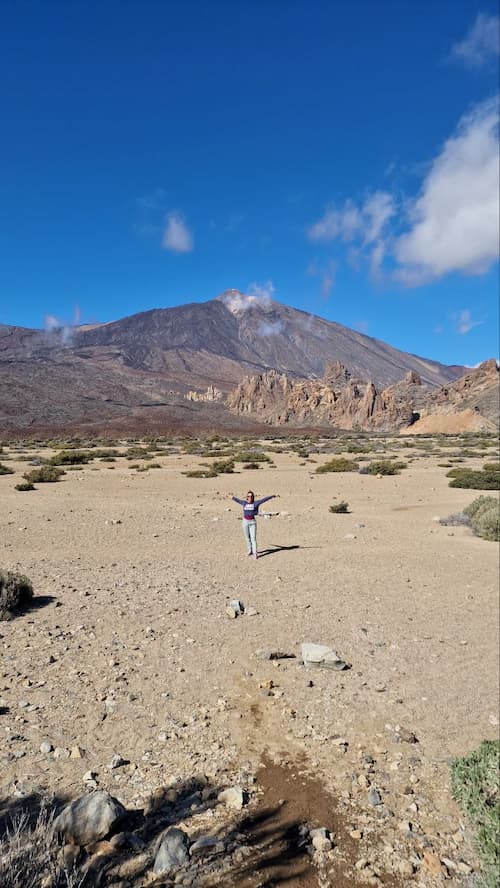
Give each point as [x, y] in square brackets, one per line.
[336, 400]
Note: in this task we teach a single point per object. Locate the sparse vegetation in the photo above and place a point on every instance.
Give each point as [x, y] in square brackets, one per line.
[71, 458]
[44, 475]
[25, 485]
[484, 516]
[476, 786]
[341, 508]
[251, 465]
[15, 592]
[4, 470]
[487, 478]
[340, 464]
[30, 856]
[383, 467]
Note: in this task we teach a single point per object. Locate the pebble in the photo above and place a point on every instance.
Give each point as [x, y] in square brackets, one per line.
[374, 797]
[233, 797]
[46, 747]
[206, 846]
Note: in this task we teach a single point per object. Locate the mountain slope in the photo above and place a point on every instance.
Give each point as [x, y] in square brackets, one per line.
[140, 366]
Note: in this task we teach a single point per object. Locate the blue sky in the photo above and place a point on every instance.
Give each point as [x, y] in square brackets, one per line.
[339, 156]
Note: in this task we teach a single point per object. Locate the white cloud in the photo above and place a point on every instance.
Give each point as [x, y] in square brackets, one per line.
[262, 292]
[271, 328]
[464, 322]
[455, 219]
[351, 221]
[177, 236]
[257, 294]
[481, 44]
[452, 225]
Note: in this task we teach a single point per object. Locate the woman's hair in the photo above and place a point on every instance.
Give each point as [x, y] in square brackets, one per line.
[251, 493]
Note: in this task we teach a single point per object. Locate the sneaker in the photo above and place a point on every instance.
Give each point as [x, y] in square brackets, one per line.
[255, 556]
[249, 553]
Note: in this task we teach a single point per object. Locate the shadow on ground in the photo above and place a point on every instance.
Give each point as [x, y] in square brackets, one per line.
[262, 848]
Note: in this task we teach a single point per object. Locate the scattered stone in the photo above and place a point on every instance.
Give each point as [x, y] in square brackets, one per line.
[237, 606]
[233, 797]
[432, 862]
[464, 868]
[173, 851]
[77, 752]
[60, 752]
[251, 612]
[320, 655]
[46, 747]
[405, 735]
[356, 834]
[116, 762]
[321, 839]
[404, 868]
[89, 818]
[206, 846]
[374, 797]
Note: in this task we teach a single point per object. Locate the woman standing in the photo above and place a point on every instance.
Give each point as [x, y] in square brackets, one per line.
[250, 512]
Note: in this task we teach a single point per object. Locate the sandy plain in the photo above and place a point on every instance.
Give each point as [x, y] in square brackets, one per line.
[131, 651]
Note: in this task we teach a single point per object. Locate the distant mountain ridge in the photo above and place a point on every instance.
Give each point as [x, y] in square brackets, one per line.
[142, 365]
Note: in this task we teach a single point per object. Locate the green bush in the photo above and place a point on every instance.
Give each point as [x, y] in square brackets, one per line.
[341, 508]
[484, 514]
[251, 465]
[384, 467]
[200, 473]
[487, 478]
[71, 458]
[476, 786]
[251, 456]
[4, 470]
[44, 475]
[27, 485]
[340, 464]
[15, 592]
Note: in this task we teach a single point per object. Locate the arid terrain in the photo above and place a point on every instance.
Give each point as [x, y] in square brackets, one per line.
[129, 651]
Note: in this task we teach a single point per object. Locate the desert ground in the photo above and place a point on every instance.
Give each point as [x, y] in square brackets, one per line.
[129, 651]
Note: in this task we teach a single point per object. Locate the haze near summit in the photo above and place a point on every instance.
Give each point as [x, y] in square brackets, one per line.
[342, 158]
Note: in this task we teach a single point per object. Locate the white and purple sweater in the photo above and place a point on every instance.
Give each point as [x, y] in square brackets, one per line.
[250, 510]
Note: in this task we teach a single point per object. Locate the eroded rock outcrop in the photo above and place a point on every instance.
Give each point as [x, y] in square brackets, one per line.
[337, 400]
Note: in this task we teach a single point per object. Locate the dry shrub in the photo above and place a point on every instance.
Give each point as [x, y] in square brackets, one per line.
[484, 515]
[29, 855]
[44, 475]
[15, 592]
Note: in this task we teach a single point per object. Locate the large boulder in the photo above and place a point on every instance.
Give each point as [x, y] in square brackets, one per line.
[89, 818]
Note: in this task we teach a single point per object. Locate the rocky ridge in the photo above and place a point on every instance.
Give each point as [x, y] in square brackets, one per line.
[345, 402]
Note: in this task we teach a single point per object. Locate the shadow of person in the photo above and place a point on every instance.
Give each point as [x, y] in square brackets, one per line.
[273, 550]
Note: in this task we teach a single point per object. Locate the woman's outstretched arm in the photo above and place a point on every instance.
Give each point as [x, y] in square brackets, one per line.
[265, 499]
[241, 502]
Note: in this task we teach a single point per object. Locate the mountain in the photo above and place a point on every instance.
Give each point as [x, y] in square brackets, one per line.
[137, 370]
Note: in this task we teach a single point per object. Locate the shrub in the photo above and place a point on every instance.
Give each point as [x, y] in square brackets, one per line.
[44, 475]
[340, 464]
[26, 485]
[223, 467]
[200, 473]
[339, 508]
[153, 466]
[457, 519]
[484, 515]
[251, 465]
[251, 456]
[15, 592]
[70, 458]
[475, 785]
[384, 467]
[475, 479]
[30, 855]
[4, 470]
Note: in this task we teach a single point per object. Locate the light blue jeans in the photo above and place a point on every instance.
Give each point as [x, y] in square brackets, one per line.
[250, 534]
